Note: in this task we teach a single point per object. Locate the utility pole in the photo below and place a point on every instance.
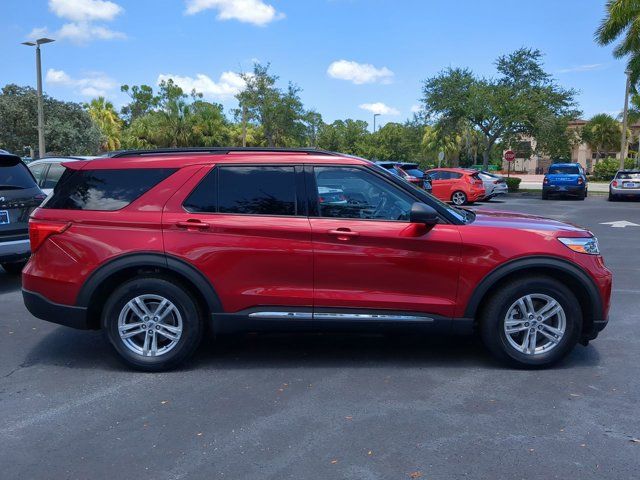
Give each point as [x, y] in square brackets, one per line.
[623, 145]
[244, 126]
[374, 121]
[41, 41]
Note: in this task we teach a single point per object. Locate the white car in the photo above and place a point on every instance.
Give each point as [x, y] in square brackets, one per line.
[47, 171]
[626, 184]
[494, 185]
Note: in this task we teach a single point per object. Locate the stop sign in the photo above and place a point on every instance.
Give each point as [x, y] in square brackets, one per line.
[509, 155]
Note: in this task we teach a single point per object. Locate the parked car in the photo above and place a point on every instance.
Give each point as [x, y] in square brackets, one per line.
[459, 186]
[565, 179]
[154, 248]
[47, 171]
[494, 185]
[409, 172]
[19, 195]
[626, 184]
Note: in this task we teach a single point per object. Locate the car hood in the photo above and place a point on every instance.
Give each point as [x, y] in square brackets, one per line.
[522, 221]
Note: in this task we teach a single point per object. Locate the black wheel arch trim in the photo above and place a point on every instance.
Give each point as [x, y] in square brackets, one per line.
[149, 259]
[576, 272]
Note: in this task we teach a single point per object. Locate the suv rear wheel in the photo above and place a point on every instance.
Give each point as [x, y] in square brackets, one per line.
[153, 323]
[532, 322]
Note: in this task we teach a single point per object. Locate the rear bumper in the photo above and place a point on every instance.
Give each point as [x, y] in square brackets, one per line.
[625, 192]
[564, 189]
[14, 251]
[45, 309]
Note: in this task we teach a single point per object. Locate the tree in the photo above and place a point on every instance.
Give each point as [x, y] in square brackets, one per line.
[142, 102]
[108, 122]
[438, 139]
[622, 21]
[602, 133]
[520, 101]
[68, 128]
[346, 136]
[280, 113]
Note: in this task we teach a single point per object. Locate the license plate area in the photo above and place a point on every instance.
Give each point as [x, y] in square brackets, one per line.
[630, 185]
[4, 217]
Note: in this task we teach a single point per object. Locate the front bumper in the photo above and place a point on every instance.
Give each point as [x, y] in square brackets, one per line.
[44, 309]
[14, 251]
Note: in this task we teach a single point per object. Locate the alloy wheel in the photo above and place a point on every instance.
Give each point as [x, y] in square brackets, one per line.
[150, 325]
[535, 324]
[459, 198]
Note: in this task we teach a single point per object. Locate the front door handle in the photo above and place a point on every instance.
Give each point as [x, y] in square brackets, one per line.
[193, 225]
[343, 234]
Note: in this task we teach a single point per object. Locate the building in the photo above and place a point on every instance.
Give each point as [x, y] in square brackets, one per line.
[530, 163]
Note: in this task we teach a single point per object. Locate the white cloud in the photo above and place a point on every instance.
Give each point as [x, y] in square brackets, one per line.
[82, 14]
[229, 84]
[582, 68]
[85, 10]
[379, 108]
[94, 84]
[416, 108]
[256, 12]
[359, 73]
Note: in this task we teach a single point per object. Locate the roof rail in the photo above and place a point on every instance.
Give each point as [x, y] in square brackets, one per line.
[217, 151]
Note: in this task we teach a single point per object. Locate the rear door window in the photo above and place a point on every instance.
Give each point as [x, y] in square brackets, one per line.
[104, 189]
[53, 175]
[257, 190]
[39, 172]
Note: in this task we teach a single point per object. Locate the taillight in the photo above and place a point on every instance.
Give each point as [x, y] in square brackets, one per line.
[615, 183]
[495, 182]
[580, 181]
[39, 231]
[546, 180]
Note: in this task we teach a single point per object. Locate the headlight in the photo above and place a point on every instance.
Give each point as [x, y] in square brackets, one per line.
[588, 245]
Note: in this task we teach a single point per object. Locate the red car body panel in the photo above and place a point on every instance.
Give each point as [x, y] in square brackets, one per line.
[261, 260]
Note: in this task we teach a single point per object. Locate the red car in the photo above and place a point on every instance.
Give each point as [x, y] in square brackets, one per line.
[456, 185]
[155, 247]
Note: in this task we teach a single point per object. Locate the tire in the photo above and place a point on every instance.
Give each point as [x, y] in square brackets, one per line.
[183, 318]
[14, 268]
[612, 197]
[496, 309]
[545, 196]
[458, 198]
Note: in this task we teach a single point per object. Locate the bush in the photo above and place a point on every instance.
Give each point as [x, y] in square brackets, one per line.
[606, 168]
[513, 183]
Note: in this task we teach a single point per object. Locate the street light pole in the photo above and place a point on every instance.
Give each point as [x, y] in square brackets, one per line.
[623, 144]
[374, 121]
[41, 146]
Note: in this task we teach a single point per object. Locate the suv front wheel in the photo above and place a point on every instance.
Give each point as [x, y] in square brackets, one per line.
[532, 322]
[153, 323]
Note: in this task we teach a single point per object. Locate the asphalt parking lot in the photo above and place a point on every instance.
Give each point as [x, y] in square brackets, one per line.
[328, 406]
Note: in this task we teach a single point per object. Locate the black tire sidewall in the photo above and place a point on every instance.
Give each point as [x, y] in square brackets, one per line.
[492, 327]
[192, 329]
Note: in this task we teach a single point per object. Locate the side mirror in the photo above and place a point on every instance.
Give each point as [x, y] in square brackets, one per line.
[421, 213]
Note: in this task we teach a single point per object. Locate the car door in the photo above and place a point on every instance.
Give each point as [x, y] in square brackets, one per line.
[246, 229]
[368, 256]
[438, 184]
[39, 172]
[52, 177]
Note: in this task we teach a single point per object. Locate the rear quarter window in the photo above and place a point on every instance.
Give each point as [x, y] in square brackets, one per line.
[104, 190]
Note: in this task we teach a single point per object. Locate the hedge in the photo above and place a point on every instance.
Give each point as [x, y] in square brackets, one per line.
[606, 168]
[513, 183]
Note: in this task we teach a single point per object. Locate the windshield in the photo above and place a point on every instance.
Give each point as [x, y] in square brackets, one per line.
[15, 177]
[628, 176]
[568, 170]
[414, 172]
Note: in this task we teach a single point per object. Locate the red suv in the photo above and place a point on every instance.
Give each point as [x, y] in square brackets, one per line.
[456, 185]
[155, 247]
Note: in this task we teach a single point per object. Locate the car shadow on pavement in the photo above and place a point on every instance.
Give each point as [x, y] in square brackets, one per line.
[83, 349]
[9, 283]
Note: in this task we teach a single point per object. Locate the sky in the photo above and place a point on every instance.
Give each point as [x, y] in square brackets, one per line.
[351, 58]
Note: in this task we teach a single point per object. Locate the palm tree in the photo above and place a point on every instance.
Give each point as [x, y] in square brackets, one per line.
[602, 133]
[623, 21]
[108, 122]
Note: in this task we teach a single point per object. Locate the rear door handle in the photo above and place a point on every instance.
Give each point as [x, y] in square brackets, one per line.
[343, 234]
[193, 225]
